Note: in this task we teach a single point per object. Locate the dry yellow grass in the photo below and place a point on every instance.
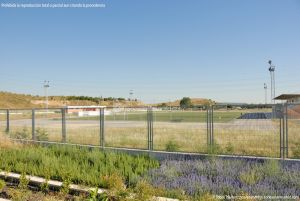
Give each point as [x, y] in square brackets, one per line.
[187, 137]
[5, 142]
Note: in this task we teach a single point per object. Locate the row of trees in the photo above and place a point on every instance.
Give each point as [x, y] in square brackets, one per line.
[87, 98]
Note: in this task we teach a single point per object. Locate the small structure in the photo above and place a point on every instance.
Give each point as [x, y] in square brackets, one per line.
[289, 98]
[293, 108]
[85, 110]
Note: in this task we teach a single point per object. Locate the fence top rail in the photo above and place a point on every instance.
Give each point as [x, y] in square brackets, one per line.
[293, 104]
[28, 109]
[74, 107]
[195, 107]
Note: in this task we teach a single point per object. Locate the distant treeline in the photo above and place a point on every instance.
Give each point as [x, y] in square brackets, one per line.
[86, 98]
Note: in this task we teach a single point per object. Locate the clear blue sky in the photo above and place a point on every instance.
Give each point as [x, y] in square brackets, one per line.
[162, 50]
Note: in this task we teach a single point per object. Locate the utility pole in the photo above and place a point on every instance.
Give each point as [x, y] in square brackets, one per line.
[272, 73]
[131, 96]
[46, 86]
[266, 93]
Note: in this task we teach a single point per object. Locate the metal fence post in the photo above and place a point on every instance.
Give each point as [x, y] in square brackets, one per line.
[207, 128]
[280, 136]
[7, 121]
[33, 124]
[100, 126]
[283, 132]
[212, 125]
[286, 130]
[63, 121]
[150, 128]
[102, 142]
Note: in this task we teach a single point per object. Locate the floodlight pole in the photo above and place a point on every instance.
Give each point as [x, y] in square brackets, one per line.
[266, 93]
[131, 96]
[46, 86]
[272, 73]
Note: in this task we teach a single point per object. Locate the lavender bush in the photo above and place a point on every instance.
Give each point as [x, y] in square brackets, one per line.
[228, 177]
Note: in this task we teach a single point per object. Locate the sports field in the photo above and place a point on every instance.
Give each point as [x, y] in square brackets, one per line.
[168, 116]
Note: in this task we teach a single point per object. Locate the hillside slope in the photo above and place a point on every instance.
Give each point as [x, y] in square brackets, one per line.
[13, 100]
[195, 101]
[10, 100]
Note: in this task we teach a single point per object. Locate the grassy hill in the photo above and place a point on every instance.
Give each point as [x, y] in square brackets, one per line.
[195, 101]
[13, 100]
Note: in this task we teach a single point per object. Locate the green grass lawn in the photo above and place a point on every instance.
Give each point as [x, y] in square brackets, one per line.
[169, 116]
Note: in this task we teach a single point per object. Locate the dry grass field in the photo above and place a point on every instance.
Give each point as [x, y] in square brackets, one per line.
[258, 137]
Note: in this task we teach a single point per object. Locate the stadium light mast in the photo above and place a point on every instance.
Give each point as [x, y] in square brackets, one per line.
[46, 86]
[272, 73]
[266, 93]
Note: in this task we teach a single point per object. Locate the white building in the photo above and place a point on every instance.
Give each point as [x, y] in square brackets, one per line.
[83, 111]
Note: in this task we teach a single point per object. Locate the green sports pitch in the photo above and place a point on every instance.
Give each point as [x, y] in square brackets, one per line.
[168, 116]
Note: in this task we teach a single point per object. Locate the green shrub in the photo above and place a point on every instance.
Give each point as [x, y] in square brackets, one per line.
[296, 150]
[113, 181]
[93, 195]
[207, 197]
[41, 134]
[172, 146]
[66, 182]
[2, 184]
[84, 166]
[251, 177]
[271, 168]
[214, 149]
[19, 195]
[116, 186]
[45, 186]
[23, 134]
[143, 191]
[229, 149]
[23, 183]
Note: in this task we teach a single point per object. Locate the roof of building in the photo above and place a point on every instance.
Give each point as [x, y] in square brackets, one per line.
[287, 96]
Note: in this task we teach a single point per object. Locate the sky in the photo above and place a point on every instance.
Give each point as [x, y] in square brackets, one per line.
[161, 50]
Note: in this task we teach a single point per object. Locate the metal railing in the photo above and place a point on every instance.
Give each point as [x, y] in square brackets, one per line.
[220, 129]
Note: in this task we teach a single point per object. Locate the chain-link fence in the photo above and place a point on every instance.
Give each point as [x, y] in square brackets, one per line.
[3, 115]
[293, 130]
[180, 130]
[253, 130]
[245, 131]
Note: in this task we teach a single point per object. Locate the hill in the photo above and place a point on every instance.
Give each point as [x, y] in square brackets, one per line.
[13, 100]
[195, 101]
[10, 100]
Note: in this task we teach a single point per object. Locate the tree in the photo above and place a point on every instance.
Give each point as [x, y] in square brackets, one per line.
[162, 105]
[185, 103]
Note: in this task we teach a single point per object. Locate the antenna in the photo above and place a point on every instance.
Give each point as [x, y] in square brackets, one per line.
[272, 73]
[266, 95]
[46, 86]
